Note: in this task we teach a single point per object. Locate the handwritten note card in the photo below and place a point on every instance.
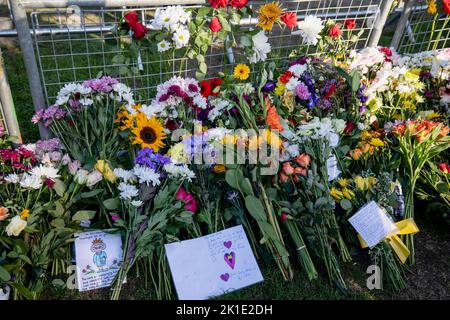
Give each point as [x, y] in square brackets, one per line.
[212, 265]
[372, 223]
[98, 258]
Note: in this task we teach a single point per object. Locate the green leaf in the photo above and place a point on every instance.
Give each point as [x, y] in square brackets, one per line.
[83, 215]
[246, 41]
[91, 194]
[225, 25]
[203, 11]
[4, 275]
[200, 58]
[25, 258]
[112, 203]
[442, 187]
[59, 187]
[346, 204]
[58, 223]
[203, 67]
[246, 187]
[22, 290]
[255, 207]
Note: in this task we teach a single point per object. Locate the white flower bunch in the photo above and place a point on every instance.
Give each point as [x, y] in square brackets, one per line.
[173, 20]
[325, 128]
[180, 172]
[310, 29]
[219, 107]
[261, 47]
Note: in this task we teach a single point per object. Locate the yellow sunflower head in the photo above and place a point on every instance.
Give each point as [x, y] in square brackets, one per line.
[148, 132]
[268, 15]
[241, 71]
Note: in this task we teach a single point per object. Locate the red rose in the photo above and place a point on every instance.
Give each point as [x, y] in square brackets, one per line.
[215, 83]
[446, 6]
[335, 31]
[350, 126]
[238, 3]
[206, 88]
[139, 31]
[444, 167]
[350, 24]
[131, 18]
[290, 19]
[218, 3]
[285, 77]
[215, 25]
[386, 51]
[284, 217]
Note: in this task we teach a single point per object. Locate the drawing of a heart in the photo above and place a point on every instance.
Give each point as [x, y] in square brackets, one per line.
[227, 244]
[225, 277]
[230, 259]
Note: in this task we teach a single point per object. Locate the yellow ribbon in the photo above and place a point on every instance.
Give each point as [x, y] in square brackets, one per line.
[406, 226]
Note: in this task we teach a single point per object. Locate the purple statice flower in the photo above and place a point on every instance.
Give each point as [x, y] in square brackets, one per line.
[147, 157]
[325, 104]
[103, 84]
[50, 145]
[302, 91]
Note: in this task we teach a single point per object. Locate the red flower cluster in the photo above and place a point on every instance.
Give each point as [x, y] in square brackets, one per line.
[20, 158]
[211, 87]
[139, 30]
[420, 129]
[289, 19]
[299, 166]
[285, 77]
[188, 199]
[223, 3]
[446, 6]
[350, 24]
[335, 31]
[349, 127]
[387, 52]
[215, 25]
[444, 167]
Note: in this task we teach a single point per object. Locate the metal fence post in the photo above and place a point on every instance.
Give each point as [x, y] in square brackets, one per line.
[380, 22]
[7, 103]
[31, 67]
[402, 23]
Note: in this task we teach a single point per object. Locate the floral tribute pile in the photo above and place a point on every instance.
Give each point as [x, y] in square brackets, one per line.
[289, 151]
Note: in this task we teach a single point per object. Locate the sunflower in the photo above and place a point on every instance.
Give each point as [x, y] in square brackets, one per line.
[268, 15]
[149, 132]
[242, 71]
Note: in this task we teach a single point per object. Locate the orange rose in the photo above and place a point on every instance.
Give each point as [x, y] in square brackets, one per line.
[3, 213]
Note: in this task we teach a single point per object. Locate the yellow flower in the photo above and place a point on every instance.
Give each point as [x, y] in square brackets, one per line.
[336, 194]
[371, 182]
[219, 168]
[149, 132]
[359, 183]
[344, 182]
[268, 15]
[177, 154]
[348, 194]
[280, 88]
[229, 139]
[432, 7]
[24, 214]
[242, 71]
[106, 170]
[377, 142]
[434, 115]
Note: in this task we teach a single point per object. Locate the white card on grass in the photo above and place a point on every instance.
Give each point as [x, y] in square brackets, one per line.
[98, 257]
[372, 223]
[212, 265]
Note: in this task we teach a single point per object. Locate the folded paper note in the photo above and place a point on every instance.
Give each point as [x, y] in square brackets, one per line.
[98, 257]
[212, 265]
[372, 223]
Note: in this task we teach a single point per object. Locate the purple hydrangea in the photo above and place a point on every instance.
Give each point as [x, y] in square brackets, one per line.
[302, 91]
[325, 104]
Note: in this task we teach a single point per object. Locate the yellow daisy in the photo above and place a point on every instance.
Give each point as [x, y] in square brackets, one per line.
[268, 15]
[242, 71]
[149, 132]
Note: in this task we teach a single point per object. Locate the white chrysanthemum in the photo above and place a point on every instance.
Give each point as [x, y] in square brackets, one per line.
[12, 178]
[163, 46]
[181, 38]
[181, 172]
[261, 47]
[127, 191]
[310, 29]
[298, 69]
[292, 84]
[200, 101]
[146, 175]
[31, 181]
[125, 175]
[136, 203]
[44, 172]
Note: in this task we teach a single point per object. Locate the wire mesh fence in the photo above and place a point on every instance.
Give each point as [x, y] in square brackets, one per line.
[74, 44]
[425, 29]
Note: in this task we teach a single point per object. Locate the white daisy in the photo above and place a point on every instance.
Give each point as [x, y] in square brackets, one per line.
[31, 181]
[181, 38]
[127, 191]
[125, 175]
[146, 175]
[44, 172]
[12, 178]
[163, 46]
[181, 172]
[310, 29]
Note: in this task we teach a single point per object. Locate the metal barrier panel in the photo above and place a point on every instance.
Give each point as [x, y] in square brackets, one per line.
[76, 43]
[423, 30]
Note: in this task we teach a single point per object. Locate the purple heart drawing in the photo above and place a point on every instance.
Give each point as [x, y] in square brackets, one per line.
[225, 277]
[230, 259]
[228, 244]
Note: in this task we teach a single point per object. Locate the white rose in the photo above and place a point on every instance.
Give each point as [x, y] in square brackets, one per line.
[16, 226]
[81, 176]
[94, 177]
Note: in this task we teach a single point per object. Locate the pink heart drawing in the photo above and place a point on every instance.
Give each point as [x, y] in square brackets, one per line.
[228, 244]
[225, 277]
[230, 259]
